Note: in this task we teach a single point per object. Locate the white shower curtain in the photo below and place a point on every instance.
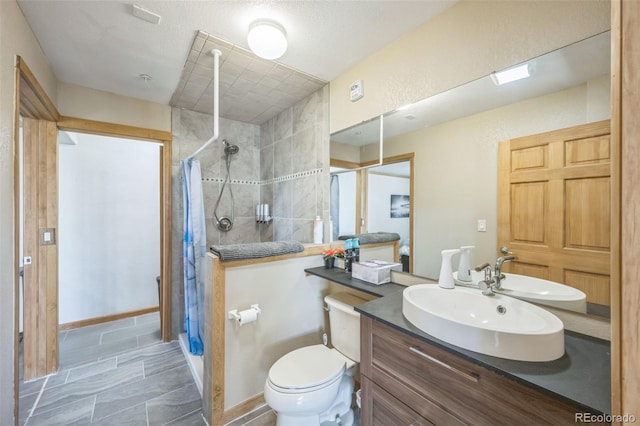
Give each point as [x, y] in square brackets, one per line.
[195, 249]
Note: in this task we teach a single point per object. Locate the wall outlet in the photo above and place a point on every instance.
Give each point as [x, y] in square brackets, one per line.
[482, 225]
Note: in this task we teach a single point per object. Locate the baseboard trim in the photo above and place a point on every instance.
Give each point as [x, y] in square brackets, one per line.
[245, 411]
[106, 318]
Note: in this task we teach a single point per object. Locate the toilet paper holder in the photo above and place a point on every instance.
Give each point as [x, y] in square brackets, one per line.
[235, 315]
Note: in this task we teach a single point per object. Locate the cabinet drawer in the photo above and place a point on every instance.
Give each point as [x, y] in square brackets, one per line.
[423, 375]
[382, 409]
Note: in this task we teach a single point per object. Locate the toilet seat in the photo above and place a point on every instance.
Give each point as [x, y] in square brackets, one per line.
[308, 368]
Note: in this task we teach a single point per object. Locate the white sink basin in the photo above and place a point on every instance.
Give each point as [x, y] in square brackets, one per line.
[537, 290]
[493, 325]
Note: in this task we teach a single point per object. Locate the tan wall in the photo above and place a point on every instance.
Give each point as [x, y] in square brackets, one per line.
[91, 104]
[345, 152]
[456, 168]
[467, 41]
[292, 317]
[16, 38]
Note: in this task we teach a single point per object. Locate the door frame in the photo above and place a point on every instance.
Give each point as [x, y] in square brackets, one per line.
[362, 183]
[32, 101]
[163, 138]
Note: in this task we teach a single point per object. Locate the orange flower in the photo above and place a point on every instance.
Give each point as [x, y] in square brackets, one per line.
[332, 252]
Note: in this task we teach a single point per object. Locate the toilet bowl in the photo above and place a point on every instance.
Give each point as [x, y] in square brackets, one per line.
[314, 384]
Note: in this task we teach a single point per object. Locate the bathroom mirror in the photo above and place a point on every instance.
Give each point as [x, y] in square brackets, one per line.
[357, 146]
[455, 138]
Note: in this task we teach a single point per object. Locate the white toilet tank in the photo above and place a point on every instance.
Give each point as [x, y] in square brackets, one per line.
[345, 323]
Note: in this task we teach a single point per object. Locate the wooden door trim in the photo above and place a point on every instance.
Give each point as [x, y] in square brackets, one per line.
[103, 128]
[164, 138]
[30, 100]
[410, 156]
[616, 176]
[626, 201]
[34, 102]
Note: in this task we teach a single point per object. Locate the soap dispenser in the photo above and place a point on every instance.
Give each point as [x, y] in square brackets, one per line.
[464, 267]
[446, 273]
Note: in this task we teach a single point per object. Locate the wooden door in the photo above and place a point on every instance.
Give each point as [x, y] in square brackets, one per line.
[40, 247]
[554, 206]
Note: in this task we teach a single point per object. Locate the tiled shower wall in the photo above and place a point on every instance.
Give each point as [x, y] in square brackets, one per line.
[284, 162]
[294, 168]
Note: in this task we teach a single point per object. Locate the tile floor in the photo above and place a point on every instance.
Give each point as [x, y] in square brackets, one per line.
[116, 373]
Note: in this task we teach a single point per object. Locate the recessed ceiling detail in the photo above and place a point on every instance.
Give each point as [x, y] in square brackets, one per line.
[252, 89]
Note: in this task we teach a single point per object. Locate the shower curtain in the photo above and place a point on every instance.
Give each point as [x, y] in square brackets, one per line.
[194, 253]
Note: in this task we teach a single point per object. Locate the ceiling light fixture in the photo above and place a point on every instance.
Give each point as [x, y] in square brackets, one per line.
[512, 74]
[267, 39]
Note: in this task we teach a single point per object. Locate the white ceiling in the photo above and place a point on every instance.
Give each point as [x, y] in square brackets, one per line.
[101, 45]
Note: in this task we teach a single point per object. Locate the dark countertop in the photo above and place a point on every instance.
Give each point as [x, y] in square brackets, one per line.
[581, 377]
[337, 275]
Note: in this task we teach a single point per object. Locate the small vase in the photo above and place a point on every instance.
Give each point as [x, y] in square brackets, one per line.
[329, 263]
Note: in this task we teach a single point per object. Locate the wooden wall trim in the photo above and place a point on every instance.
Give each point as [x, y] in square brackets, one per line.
[41, 276]
[251, 405]
[218, 331]
[334, 162]
[31, 101]
[616, 318]
[34, 101]
[310, 250]
[112, 129]
[165, 239]
[106, 318]
[628, 114]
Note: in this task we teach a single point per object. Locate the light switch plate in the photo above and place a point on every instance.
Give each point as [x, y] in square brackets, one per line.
[47, 236]
[482, 225]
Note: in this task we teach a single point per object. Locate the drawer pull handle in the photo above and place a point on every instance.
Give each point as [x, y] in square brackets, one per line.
[469, 376]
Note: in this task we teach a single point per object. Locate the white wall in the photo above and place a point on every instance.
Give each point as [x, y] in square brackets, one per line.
[109, 227]
[379, 202]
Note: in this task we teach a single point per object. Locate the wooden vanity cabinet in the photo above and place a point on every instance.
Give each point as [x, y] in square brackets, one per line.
[406, 381]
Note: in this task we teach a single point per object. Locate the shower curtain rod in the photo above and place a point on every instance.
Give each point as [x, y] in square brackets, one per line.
[216, 80]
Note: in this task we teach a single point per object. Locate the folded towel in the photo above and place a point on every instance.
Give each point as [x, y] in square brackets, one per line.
[255, 250]
[373, 237]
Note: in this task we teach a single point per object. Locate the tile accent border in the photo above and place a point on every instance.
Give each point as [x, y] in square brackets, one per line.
[268, 181]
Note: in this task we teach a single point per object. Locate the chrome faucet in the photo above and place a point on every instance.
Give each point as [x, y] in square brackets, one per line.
[487, 285]
[497, 272]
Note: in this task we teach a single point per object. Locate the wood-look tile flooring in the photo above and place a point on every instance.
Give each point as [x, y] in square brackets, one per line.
[116, 373]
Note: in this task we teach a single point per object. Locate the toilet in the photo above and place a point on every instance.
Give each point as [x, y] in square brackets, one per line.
[314, 384]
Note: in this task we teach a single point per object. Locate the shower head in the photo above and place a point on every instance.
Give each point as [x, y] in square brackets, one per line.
[230, 149]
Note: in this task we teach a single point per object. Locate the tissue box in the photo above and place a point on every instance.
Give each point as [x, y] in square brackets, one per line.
[374, 271]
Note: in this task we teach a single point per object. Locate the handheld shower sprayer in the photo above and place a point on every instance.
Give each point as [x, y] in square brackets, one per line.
[225, 223]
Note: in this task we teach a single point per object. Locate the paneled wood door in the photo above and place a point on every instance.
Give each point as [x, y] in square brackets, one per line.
[554, 206]
[40, 248]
